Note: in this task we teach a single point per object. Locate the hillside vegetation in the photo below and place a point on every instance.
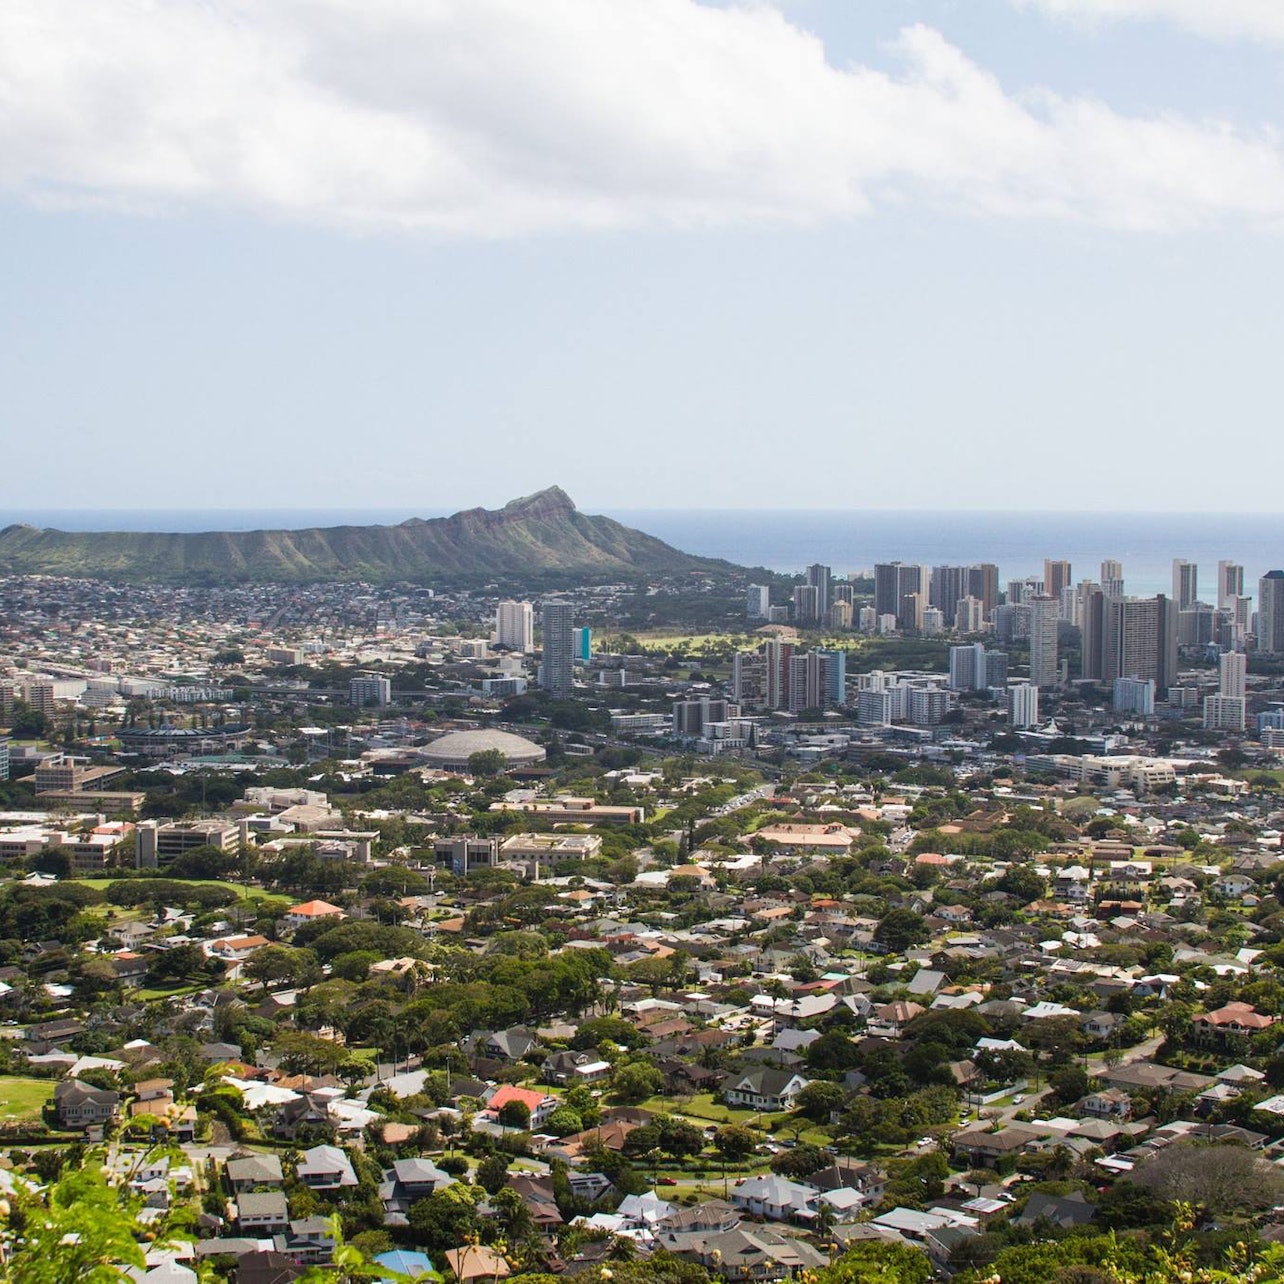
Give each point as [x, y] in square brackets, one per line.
[538, 535]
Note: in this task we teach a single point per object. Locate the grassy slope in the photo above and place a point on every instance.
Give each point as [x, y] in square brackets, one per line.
[542, 533]
[22, 1099]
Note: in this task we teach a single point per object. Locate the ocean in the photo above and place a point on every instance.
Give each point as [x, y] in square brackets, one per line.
[787, 540]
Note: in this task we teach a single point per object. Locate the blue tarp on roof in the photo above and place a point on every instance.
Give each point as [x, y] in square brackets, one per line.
[405, 1263]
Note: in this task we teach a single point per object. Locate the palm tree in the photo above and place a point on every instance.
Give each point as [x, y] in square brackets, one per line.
[824, 1217]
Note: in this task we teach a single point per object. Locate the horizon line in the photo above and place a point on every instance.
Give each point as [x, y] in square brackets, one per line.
[681, 508]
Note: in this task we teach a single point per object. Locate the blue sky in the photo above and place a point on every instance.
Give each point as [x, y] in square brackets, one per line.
[1004, 254]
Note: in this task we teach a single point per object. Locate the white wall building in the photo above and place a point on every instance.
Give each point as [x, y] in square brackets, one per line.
[515, 625]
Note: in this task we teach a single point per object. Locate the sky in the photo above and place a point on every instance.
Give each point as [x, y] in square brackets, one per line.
[842, 254]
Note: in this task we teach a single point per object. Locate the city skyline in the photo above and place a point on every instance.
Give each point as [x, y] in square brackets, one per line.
[257, 243]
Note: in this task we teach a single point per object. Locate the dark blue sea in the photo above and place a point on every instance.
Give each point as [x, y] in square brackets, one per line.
[788, 540]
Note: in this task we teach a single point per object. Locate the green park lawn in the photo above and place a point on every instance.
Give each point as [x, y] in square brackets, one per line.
[256, 894]
[152, 994]
[702, 1106]
[22, 1099]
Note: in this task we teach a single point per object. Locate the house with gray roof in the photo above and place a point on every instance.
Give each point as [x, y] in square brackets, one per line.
[765, 1088]
[775, 1197]
[325, 1168]
[264, 1213]
[250, 1171]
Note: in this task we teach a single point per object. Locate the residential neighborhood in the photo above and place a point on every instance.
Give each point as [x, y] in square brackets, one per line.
[458, 989]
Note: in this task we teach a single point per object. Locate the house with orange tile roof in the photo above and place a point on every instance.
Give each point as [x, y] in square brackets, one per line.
[540, 1104]
[310, 911]
[789, 837]
[1230, 1020]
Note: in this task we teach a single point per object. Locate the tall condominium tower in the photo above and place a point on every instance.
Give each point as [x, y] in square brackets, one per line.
[1230, 584]
[1270, 613]
[515, 626]
[1139, 639]
[1112, 578]
[894, 583]
[983, 583]
[1023, 705]
[1043, 640]
[806, 600]
[820, 578]
[558, 669]
[1056, 576]
[1185, 583]
[1233, 674]
[947, 585]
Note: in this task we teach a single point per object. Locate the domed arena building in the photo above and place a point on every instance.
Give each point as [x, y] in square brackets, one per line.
[452, 751]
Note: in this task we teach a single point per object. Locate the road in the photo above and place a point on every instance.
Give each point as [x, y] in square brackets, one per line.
[744, 800]
[1096, 1066]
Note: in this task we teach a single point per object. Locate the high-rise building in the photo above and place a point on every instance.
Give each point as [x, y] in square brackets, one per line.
[1230, 583]
[757, 601]
[749, 679]
[967, 668]
[1270, 613]
[1134, 695]
[806, 598]
[839, 615]
[369, 689]
[874, 708]
[946, 586]
[1011, 623]
[816, 679]
[1023, 705]
[983, 583]
[582, 645]
[910, 618]
[4, 759]
[1196, 625]
[1239, 610]
[515, 626]
[969, 615]
[1043, 640]
[1112, 578]
[929, 705]
[1139, 639]
[1020, 592]
[1224, 713]
[996, 670]
[1092, 618]
[557, 671]
[691, 717]
[887, 588]
[40, 696]
[778, 655]
[1185, 583]
[1056, 576]
[820, 578]
[1232, 674]
[894, 583]
[834, 675]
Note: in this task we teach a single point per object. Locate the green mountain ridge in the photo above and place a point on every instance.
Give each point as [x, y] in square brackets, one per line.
[540, 535]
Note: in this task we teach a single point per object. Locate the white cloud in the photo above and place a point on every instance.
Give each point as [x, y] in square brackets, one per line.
[1219, 19]
[503, 117]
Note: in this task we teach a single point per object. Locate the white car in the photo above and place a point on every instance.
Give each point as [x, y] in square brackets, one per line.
[1018, 1099]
